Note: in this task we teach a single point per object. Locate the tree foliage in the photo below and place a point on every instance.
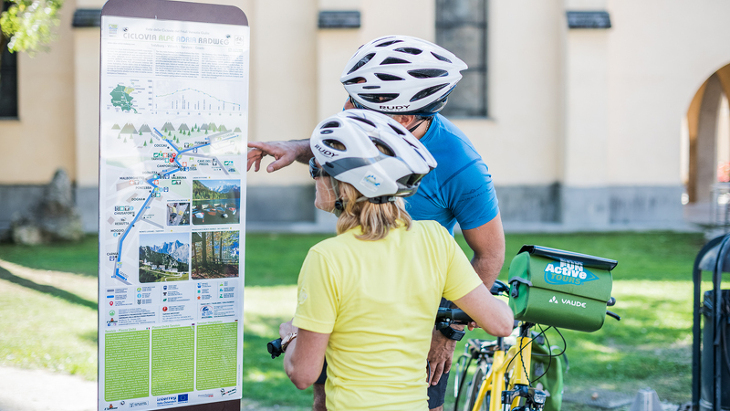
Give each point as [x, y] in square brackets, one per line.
[28, 24]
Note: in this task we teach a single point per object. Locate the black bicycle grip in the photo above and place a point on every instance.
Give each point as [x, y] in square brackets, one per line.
[499, 288]
[274, 347]
[452, 316]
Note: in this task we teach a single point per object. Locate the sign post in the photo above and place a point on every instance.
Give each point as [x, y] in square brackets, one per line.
[173, 121]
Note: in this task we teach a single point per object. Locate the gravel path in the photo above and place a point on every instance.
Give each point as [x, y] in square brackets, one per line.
[31, 390]
[39, 390]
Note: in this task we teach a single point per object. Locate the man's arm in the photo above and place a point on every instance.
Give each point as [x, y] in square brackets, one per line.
[284, 153]
[487, 242]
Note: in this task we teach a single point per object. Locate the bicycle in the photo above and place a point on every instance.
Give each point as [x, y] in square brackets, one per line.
[502, 375]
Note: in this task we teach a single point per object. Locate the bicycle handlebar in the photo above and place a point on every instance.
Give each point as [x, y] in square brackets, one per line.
[445, 316]
[452, 316]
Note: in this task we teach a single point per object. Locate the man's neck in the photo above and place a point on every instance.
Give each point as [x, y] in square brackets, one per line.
[422, 128]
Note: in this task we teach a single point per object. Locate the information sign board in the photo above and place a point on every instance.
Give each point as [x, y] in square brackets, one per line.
[173, 121]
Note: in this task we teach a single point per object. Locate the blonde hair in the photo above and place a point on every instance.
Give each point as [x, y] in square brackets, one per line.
[376, 220]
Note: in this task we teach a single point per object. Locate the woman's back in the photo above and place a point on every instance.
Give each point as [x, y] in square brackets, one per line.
[379, 299]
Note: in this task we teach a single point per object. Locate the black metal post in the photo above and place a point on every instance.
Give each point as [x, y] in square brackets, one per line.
[696, 329]
[717, 332]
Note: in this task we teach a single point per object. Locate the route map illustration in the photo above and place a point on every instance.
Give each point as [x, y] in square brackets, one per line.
[155, 189]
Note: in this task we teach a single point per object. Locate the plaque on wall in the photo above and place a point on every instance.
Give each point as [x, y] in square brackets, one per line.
[588, 20]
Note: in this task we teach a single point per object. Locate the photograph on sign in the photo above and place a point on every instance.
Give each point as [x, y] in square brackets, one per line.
[173, 121]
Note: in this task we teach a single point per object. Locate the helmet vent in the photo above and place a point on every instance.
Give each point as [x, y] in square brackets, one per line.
[397, 130]
[409, 50]
[412, 145]
[326, 132]
[382, 147]
[428, 73]
[387, 77]
[362, 120]
[427, 92]
[355, 80]
[388, 43]
[394, 60]
[442, 58]
[371, 87]
[334, 144]
[379, 98]
[331, 124]
[416, 149]
[362, 62]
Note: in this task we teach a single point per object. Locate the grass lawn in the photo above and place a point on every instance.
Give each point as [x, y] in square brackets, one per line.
[48, 319]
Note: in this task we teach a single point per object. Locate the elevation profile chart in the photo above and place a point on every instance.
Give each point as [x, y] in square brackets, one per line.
[172, 134]
[176, 97]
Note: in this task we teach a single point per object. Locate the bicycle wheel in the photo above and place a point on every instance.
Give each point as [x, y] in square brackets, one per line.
[472, 389]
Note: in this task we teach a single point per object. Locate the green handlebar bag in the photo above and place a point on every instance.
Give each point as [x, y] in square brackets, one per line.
[560, 288]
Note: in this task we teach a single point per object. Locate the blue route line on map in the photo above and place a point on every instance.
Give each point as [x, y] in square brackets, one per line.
[151, 182]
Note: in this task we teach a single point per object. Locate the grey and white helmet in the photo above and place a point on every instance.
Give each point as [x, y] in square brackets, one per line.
[401, 75]
[379, 177]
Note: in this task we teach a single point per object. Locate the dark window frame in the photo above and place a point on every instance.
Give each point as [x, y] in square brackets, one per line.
[8, 80]
[447, 24]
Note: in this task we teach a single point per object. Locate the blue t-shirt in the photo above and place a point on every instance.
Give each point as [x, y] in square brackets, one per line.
[460, 188]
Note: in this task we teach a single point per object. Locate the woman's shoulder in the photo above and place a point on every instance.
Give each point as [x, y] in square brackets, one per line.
[335, 243]
[430, 228]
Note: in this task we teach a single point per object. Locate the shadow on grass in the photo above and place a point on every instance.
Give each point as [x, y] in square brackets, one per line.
[91, 336]
[73, 257]
[47, 289]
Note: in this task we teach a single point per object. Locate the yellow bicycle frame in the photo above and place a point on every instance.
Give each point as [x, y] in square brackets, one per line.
[494, 380]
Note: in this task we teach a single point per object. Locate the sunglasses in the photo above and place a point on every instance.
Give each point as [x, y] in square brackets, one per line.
[356, 104]
[315, 171]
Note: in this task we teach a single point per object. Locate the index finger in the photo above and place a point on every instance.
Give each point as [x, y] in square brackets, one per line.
[257, 144]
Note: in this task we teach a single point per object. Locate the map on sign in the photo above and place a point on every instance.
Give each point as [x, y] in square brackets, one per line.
[157, 184]
[129, 96]
[172, 195]
[122, 98]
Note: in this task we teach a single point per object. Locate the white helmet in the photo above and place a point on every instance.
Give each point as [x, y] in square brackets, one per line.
[401, 75]
[379, 177]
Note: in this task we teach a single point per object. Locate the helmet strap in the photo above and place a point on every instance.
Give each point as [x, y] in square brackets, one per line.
[339, 204]
[412, 129]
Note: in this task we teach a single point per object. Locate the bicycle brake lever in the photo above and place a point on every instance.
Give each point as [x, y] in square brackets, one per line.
[274, 348]
[613, 314]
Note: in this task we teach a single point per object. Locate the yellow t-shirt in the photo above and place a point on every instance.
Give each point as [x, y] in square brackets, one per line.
[378, 300]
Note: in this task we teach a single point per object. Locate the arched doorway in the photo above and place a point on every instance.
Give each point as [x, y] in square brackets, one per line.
[706, 148]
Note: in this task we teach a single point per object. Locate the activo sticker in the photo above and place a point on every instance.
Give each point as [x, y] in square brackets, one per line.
[567, 272]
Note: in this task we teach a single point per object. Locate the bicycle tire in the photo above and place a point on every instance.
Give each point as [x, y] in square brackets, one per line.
[473, 388]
